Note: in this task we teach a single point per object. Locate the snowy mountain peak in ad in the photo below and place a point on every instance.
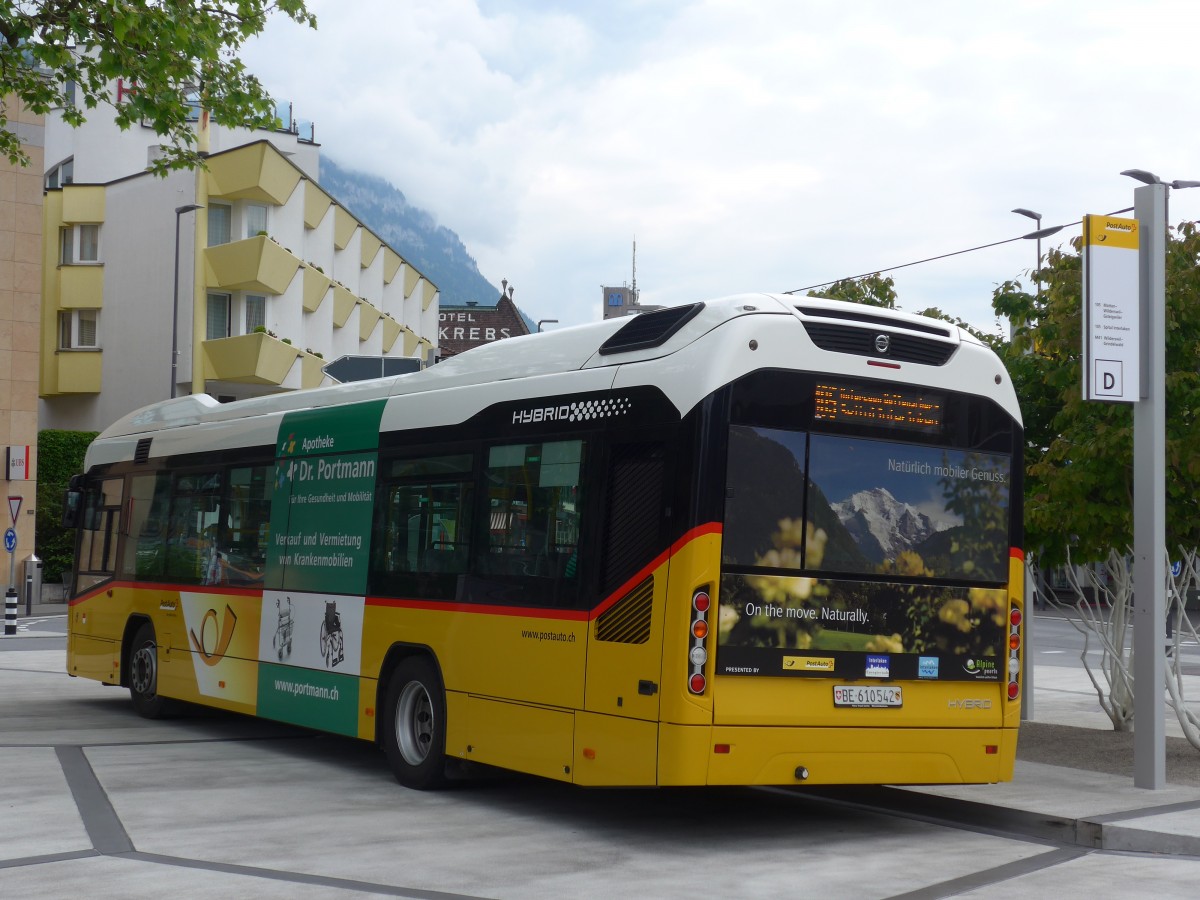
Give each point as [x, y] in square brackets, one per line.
[883, 526]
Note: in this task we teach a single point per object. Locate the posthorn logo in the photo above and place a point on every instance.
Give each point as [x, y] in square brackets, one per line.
[576, 411]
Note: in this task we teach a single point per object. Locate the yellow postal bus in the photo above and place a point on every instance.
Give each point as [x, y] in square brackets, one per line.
[756, 540]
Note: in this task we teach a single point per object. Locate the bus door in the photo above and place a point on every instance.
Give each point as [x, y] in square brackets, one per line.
[617, 733]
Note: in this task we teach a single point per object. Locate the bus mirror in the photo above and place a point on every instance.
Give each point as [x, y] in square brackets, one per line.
[72, 507]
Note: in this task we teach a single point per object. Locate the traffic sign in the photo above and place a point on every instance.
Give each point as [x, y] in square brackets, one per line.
[14, 507]
[10, 540]
[362, 368]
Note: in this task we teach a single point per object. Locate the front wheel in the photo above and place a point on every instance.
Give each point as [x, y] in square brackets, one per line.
[414, 726]
[143, 675]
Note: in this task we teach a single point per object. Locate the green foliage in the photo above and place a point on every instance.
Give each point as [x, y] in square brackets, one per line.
[60, 455]
[1079, 454]
[169, 49]
[871, 290]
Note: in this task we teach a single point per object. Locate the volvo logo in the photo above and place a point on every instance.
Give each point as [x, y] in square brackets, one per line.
[882, 342]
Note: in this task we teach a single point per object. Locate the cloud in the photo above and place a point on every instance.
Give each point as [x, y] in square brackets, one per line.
[746, 148]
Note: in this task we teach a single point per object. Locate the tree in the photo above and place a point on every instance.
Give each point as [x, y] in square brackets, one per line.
[870, 290]
[65, 53]
[1079, 454]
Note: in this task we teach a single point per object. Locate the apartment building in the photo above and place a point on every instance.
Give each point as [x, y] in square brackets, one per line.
[20, 286]
[237, 280]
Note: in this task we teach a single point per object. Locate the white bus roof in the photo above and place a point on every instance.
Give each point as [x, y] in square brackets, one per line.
[599, 348]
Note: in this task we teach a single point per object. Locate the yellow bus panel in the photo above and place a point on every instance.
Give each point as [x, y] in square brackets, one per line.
[529, 739]
[611, 750]
[764, 755]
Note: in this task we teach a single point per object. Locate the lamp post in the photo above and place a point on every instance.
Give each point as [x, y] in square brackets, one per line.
[179, 211]
[1037, 217]
[1149, 481]
[542, 322]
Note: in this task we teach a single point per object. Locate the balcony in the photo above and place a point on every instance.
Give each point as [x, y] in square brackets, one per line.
[256, 172]
[255, 264]
[391, 330]
[78, 371]
[81, 286]
[316, 286]
[250, 359]
[368, 315]
[343, 304]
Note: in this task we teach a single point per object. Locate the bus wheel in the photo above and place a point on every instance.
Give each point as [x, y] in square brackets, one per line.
[143, 675]
[414, 726]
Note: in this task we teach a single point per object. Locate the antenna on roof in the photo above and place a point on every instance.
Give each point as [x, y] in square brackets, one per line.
[633, 288]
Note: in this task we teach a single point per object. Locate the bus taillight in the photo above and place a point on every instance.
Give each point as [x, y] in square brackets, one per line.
[698, 652]
[1014, 660]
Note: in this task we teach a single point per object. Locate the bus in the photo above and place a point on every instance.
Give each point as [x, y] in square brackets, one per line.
[758, 540]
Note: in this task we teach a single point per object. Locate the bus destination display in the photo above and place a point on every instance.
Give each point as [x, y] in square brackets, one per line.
[879, 406]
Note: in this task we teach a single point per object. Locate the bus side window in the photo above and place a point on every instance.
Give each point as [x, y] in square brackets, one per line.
[145, 547]
[101, 527]
[424, 528]
[534, 515]
[191, 546]
[242, 535]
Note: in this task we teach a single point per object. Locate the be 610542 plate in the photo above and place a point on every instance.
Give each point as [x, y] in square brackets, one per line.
[867, 695]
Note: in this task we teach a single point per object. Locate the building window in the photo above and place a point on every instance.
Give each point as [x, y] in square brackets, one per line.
[218, 317]
[256, 219]
[78, 244]
[62, 174]
[219, 220]
[256, 312]
[616, 299]
[77, 329]
[89, 243]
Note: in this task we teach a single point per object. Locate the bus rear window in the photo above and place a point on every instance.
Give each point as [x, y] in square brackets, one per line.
[831, 503]
[909, 510]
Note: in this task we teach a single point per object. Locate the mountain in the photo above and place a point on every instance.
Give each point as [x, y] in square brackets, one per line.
[435, 250]
[881, 525]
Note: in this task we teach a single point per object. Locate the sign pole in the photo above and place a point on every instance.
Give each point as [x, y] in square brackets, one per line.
[1149, 496]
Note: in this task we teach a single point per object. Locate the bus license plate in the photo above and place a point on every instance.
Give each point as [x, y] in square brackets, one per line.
[868, 696]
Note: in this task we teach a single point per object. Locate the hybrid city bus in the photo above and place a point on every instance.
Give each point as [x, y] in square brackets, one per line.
[759, 540]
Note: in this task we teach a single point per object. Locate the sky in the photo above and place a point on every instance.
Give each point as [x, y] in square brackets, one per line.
[750, 145]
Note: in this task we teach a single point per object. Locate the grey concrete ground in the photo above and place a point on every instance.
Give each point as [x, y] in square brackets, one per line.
[97, 802]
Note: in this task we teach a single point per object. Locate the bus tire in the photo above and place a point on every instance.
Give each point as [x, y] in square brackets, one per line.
[143, 675]
[414, 724]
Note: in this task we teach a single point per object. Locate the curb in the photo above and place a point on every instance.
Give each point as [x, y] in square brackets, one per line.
[1102, 832]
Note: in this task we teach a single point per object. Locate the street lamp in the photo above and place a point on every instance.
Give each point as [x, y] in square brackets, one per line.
[1149, 478]
[542, 322]
[179, 211]
[1037, 217]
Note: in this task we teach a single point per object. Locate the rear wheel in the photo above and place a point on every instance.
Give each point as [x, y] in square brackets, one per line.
[414, 726]
[143, 675]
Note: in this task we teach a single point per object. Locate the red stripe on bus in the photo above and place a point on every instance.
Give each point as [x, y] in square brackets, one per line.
[539, 612]
[224, 590]
[523, 612]
[698, 532]
[528, 612]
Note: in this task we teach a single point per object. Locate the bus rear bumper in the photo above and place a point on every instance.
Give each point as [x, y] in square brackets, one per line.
[746, 755]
